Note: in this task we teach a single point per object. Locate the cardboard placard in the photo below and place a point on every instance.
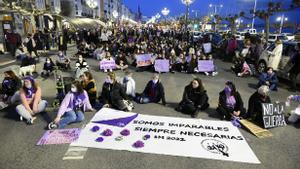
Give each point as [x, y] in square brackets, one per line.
[144, 60]
[255, 129]
[107, 64]
[162, 65]
[273, 115]
[206, 66]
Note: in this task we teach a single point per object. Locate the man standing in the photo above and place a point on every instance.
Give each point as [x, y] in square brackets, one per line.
[296, 67]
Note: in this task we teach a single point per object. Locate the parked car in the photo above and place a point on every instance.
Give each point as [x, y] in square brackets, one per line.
[274, 37]
[289, 36]
[284, 65]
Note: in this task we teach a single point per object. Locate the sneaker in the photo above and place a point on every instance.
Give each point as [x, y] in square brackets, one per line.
[3, 105]
[105, 71]
[52, 126]
[215, 73]
[31, 121]
[21, 118]
[206, 73]
[239, 74]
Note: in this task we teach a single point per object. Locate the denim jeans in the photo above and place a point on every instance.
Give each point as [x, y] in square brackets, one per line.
[70, 117]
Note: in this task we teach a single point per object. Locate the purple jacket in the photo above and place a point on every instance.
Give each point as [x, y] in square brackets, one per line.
[69, 100]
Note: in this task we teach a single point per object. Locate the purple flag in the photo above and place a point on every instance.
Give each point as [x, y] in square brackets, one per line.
[60, 136]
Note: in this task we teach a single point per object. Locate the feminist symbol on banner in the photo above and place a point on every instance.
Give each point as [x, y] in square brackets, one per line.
[215, 146]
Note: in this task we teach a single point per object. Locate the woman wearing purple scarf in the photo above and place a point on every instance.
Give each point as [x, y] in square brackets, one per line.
[230, 103]
[72, 108]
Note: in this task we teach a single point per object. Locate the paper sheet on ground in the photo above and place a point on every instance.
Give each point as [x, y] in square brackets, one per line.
[60, 136]
[169, 136]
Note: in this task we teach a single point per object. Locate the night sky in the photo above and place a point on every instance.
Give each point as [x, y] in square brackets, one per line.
[151, 7]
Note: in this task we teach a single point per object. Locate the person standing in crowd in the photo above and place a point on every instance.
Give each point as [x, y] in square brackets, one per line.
[154, 92]
[12, 41]
[113, 94]
[31, 45]
[255, 112]
[31, 98]
[231, 48]
[275, 55]
[9, 92]
[295, 70]
[72, 108]
[129, 84]
[194, 98]
[63, 42]
[48, 67]
[63, 61]
[81, 66]
[269, 79]
[230, 103]
[89, 85]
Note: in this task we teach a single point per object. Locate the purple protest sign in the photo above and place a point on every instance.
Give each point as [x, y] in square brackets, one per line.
[206, 66]
[162, 65]
[107, 64]
[144, 60]
[60, 136]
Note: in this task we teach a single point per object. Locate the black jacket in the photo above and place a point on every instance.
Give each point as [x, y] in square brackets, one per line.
[255, 111]
[28, 61]
[10, 86]
[196, 96]
[159, 92]
[112, 93]
[239, 106]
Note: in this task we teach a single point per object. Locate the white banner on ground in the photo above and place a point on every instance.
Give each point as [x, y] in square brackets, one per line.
[118, 130]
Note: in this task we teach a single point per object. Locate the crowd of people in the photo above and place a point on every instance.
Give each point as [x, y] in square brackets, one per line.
[124, 46]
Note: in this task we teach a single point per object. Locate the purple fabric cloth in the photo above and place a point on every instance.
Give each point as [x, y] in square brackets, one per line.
[230, 101]
[67, 103]
[30, 93]
[107, 133]
[138, 144]
[95, 128]
[119, 122]
[125, 132]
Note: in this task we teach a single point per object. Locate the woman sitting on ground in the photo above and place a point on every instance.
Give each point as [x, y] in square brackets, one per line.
[256, 100]
[81, 66]
[194, 98]
[230, 103]
[113, 94]
[48, 67]
[62, 61]
[89, 85]
[269, 79]
[154, 92]
[31, 98]
[72, 108]
[9, 92]
[121, 62]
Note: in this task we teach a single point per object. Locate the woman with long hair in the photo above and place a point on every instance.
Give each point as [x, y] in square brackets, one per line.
[31, 98]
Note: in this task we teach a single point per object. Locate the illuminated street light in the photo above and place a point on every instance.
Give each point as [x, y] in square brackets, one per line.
[187, 3]
[281, 20]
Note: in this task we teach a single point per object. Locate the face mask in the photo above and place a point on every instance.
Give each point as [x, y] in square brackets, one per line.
[28, 86]
[227, 90]
[48, 61]
[155, 81]
[73, 89]
[108, 80]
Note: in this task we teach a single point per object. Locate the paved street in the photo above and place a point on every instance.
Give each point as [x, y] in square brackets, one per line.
[18, 149]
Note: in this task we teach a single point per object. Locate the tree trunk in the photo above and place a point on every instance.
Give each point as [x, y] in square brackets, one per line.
[267, 28]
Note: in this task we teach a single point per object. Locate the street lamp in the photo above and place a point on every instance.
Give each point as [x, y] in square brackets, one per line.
[165, 12]
[93, 5]
[187, 3]
[281, 20]
[215, 11]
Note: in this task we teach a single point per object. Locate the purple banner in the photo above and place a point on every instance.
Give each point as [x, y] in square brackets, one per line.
[162, 65]
[144, 60]
[107, 64]
[206, 66]
[60, 136]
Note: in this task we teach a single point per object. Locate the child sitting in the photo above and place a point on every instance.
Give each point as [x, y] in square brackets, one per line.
[48, 67]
